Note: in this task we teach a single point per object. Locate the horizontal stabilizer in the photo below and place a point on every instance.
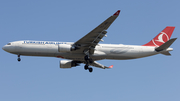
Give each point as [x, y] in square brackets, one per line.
[166, 53]
[165, 45]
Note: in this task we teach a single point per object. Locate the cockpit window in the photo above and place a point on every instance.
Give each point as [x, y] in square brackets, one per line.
[9, 44]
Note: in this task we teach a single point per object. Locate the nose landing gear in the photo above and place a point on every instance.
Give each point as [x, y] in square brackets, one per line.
[19, 59]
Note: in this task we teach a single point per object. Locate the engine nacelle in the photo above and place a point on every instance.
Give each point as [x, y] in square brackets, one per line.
[68, 64]
[65, 48]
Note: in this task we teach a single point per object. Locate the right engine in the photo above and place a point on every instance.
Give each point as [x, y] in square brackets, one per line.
[68, 64]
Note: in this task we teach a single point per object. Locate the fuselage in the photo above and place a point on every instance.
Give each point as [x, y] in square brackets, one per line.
[102, 51]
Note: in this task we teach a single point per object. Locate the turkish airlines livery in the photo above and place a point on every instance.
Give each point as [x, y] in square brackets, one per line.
[87, 50]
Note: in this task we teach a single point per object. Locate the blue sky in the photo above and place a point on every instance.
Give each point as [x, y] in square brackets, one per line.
[40, 78]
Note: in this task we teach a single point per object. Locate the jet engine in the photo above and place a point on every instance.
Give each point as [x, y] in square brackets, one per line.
[65, 48]
[68, 64]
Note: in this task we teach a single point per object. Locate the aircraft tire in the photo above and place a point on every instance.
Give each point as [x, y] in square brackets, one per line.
[90, 70]
[19, 59]
[86, 67]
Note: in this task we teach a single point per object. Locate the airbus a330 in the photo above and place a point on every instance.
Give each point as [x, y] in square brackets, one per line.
[88, 51]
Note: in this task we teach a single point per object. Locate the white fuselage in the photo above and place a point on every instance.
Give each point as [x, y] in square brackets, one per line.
[102, 51]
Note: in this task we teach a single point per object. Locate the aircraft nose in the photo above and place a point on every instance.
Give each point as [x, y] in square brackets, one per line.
[4, 48]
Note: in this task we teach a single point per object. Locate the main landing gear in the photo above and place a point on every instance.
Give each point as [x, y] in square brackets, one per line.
[19, 59]
[86, 67]
[88, 60]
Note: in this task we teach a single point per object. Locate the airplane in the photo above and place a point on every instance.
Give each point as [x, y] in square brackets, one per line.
[88, 51]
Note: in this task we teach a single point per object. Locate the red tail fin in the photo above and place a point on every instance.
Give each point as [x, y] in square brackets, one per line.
[162, 37]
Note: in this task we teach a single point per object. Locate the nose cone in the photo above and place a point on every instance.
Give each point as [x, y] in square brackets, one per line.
[4, 48]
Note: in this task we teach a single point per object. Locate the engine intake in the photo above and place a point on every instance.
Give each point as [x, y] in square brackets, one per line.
[68, 64]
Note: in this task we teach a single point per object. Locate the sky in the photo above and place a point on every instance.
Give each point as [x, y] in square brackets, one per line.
[154, 78]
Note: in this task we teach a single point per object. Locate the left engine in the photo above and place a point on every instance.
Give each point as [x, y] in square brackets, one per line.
[68, 64]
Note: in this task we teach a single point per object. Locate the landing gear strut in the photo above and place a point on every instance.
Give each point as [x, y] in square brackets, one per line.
[19, 59]
[88, 60]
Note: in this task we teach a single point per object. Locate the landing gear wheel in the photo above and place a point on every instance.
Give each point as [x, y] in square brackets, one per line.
[86, 67]
[19, 59]
[88, 60]
[90, 70]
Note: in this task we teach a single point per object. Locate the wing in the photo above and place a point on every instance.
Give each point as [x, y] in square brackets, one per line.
[96, 64]
[89, 41]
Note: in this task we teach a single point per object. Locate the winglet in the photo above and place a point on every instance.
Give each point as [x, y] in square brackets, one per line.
[111, 66]
[117, 13]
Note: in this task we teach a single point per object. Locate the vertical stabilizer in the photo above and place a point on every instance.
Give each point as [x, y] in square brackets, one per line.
[162, 37]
